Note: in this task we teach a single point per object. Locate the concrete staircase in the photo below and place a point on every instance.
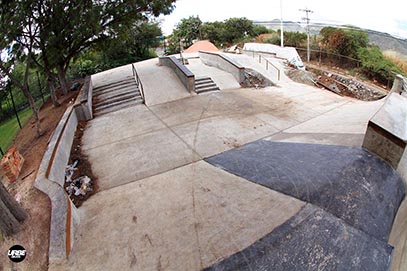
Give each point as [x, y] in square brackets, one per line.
[205, 84]
[115, 96]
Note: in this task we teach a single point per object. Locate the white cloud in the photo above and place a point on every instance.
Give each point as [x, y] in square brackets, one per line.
[381, 16]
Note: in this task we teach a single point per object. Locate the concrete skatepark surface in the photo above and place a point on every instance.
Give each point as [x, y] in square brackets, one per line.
[162, 206]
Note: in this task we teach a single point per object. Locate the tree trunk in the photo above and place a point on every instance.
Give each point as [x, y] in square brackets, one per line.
[52, 90]
[31, 102]
[11, 213]
[62, 79]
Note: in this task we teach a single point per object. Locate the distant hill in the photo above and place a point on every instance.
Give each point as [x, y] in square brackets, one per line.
[386, 42]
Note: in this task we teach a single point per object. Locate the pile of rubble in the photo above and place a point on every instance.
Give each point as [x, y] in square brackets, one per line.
[255, 79]
[360, 90]
[301, 76]
[79, 187]
[350, 87]
[76, 187]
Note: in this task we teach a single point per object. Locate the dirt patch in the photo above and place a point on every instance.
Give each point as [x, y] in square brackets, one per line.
[34, 236]
[83, 168]
[203, 45]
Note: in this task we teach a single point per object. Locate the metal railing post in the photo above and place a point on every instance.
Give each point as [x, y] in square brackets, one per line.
[138, 82]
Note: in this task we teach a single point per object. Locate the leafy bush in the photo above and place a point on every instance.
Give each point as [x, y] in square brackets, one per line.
[376, 66]
[84, 67]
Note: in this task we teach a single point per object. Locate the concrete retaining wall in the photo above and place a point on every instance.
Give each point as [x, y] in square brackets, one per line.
[224, 63]
[50, 180]
[386, 134]
[184, 74]
[84, 100]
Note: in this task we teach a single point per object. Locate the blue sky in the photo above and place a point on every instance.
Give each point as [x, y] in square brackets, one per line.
[386, 16]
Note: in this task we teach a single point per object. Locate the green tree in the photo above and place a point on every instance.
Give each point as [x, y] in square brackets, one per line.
[212, 31]
[295, 39]
[187, 31]
[144, 36]
[237, 29]
[130, 46]
[260, 29]
[344, 41]
[376, 66]
[70, 27]
[18, 33]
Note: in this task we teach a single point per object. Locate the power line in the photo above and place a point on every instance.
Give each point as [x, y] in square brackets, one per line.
[307, 19]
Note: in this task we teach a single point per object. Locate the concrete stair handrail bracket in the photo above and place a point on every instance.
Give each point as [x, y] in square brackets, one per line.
[184, 74]
[224, 63]
[50, 180]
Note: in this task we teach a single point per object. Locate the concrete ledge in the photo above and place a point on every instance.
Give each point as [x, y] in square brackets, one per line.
[184, 74]
[83, 103]
[50, 180]
[224, 63]
[386, 134]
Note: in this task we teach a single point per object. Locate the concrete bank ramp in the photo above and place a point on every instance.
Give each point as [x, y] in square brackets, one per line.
[160, 83]
[354, 195]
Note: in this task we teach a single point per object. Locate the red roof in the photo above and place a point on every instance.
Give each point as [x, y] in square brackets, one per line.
[202, 45]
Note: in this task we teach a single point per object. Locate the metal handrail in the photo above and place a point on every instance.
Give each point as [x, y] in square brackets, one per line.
[267, 65]
[138, 82]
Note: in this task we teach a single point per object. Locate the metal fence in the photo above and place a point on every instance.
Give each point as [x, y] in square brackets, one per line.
[13, 101]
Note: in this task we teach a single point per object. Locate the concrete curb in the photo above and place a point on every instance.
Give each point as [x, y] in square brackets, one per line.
[50, 180]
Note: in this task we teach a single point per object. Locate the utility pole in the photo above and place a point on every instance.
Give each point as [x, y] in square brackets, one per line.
[281, 25]
[307, 19]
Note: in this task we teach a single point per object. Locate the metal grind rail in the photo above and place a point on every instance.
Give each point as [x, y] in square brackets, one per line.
[269, 63]
[138, 82]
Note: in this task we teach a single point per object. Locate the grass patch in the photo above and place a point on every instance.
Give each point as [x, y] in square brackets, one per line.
[10, 128]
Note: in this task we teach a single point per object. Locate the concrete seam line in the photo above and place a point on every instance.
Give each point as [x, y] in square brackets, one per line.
[175, 133]
[150, 176]
[125, 138]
